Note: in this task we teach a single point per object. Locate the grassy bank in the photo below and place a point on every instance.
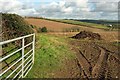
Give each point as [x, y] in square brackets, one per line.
[50, 55]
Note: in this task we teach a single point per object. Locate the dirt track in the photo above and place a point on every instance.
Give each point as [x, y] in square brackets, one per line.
[99, 68]
[96, 64]
[84, 64]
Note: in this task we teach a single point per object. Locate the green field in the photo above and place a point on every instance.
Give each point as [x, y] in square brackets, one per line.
[50, 54]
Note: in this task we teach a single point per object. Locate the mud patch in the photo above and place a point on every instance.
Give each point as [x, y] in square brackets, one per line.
[96, 59]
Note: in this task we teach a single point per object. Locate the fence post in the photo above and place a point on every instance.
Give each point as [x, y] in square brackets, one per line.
[33, 46]
[23, 40]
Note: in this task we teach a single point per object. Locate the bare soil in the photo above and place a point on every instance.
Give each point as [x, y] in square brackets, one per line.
[93, 60]
[51, 25]
[96, 60]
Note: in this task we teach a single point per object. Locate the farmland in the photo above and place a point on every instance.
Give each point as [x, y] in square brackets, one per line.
[102, 24]
[89, 58]
[52, 26]
[58, 55]
[60, 39]
[58, 28]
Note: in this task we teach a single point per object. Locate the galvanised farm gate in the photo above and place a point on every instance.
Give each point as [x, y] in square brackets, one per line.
[25, 61]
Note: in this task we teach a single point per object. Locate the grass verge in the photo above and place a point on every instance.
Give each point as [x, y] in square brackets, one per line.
[50, 54]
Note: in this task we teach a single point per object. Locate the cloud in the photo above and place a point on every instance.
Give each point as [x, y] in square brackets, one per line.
[17, 7]
[64, 9]
[7, 5]
[104, 0]
[79, 9]
[107, 9]
[25, 12]
[106, 6]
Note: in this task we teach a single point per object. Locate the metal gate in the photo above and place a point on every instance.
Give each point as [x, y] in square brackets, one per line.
[26, 61]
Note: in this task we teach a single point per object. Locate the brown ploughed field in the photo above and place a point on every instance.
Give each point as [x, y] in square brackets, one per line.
[51, 25]
[58, 28]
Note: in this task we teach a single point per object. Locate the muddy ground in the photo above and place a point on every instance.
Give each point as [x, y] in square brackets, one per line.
[87, 35]
[97, 60]
[94, 59]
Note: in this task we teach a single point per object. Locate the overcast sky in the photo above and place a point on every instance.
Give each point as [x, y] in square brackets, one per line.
[70, 9]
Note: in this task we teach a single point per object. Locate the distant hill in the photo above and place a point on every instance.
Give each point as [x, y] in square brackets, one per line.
[14, 26]
[114, 23]
[100, 21]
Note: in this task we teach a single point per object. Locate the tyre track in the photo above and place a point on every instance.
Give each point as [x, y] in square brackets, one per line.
[114, 54]
[84, 64]
[100, 67]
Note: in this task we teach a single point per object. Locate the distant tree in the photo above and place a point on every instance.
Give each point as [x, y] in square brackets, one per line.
[44, 29]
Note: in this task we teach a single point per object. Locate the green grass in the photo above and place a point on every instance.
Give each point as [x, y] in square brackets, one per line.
[11, 60]
[50, 54]
[8, 50]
